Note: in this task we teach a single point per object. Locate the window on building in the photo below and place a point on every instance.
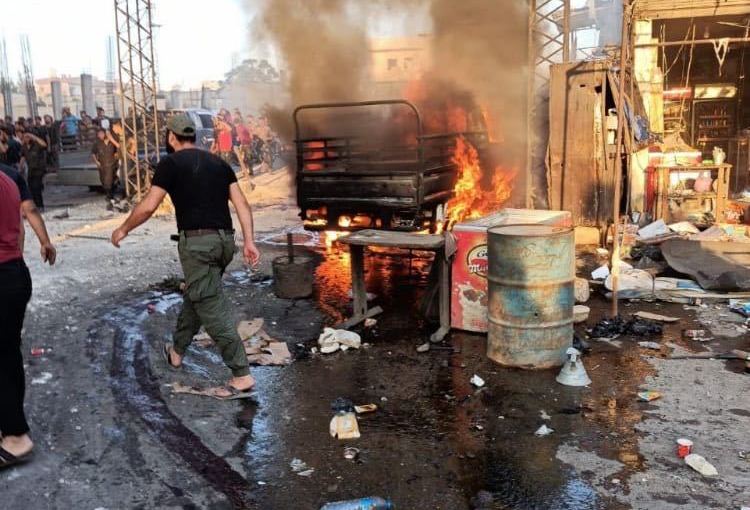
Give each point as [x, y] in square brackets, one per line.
[409, 63]
[392, 63]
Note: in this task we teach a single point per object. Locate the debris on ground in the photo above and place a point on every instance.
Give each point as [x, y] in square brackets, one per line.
[701, 335]
[650, 345]
[655, 229]
[477, 381]
[331, 340]
[715, 265]
[371, 503]
[366, 408]
[301, 468]
[210, 391]
[344, 423]
[684, 447]
[701, 465]
[580, 344]
[614, 327]
[580, 313]
[648, 396]
[351, 453]
[260, 347]
[573, 373]
[740, 306]
[37, 351]
[581, 290]
[600, 273]
[543, 415]
[422, 348]
[655, 317]
[544, 430]
[683, 227]
[370, 322]
[43, 378]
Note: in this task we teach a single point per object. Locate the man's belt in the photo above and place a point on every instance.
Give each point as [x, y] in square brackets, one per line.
[206, 231]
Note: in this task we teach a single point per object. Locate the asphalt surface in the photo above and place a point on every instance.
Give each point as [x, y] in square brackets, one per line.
[110, 433]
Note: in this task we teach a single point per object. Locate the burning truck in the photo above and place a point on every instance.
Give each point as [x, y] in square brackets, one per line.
[393, 166]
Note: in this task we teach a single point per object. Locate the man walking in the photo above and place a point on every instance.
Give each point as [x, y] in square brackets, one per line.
[200, 185]
[34, 152]
[104, 154]
[15, 292]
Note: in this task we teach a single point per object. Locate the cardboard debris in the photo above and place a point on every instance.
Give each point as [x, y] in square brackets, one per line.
[683, 227]
[648, 396]
[331, 340]
[260, 347]
[701, 465]
[344, 426]
[655, 317]
[654, 229]
[600, 273]
[274, 353]
[716, 265]
[205, 392]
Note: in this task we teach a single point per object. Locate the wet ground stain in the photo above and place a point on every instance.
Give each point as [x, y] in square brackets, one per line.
[435, 442]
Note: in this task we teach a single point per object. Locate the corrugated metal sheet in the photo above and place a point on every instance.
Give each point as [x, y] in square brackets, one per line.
[666, 9]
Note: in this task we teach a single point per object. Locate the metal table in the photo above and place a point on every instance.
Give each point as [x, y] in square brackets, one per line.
[357, 242]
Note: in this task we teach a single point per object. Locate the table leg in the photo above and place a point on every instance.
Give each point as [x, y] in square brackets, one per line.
[359, 293]
[444, 296]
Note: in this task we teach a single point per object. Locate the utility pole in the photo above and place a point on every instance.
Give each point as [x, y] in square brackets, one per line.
[6, 87]
[28, 77]
[137, 72]
[110, 77]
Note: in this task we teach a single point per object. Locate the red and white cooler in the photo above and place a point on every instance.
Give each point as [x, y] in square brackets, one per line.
[469, 270]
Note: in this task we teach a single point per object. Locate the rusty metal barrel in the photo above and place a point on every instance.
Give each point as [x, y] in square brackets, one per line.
[292, 274]
[531, 273]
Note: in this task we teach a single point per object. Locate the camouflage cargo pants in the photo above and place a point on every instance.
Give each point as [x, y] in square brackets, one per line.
[204, 259]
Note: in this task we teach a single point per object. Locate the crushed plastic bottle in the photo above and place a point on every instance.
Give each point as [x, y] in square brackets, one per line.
[371, 503]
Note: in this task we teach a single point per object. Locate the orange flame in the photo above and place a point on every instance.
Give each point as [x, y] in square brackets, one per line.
[470, 201]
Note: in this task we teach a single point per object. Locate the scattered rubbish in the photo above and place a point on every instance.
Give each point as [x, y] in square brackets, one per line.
[655, 317]
[331, 340]
[648, 396]
[477, 381]
[580, 313]
[580, 344]
[273, 353]
[423, 347]
[544, 430]
[370, 296]
[261, 349]
[600, 273]
[370, 322]
[301, 468]
[366, 408]
[654, 229]
[37, 351]
[573, 372]
[700, 464]
[701, 335]
[613, 327]
[740, 306]
[371, 503]
[43, 378]
[683, 227]
[351, 453]
[479, 426]
[581, 290]
[212, 391]
[344, 423]
[715, 265]
[63, 215]
[650, 345]
[543, 415]
[684, 447]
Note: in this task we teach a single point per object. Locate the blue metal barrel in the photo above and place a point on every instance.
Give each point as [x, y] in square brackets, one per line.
[531, 276]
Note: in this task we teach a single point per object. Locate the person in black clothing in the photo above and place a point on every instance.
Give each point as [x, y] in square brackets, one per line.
[10, 148]
[34, 151]
[104, 154]
[53, 142]
[200, 185]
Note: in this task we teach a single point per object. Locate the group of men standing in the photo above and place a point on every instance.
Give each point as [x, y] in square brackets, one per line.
[244, 139]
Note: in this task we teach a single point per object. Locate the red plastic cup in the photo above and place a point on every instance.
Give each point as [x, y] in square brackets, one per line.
[684, 447]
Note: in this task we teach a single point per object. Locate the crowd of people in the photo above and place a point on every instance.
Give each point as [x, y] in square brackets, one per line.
[246, 141]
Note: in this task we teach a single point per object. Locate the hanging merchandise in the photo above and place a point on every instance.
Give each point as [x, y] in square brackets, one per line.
[721, 48]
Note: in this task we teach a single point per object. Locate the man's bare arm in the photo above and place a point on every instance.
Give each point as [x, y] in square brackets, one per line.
[245, 215]
[140, 214]
[38, 140]
[32, 215]
[113, 140]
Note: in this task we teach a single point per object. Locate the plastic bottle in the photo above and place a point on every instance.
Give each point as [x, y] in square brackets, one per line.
[371, 503]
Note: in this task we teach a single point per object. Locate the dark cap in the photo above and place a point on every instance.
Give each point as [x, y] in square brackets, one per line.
[181, 124]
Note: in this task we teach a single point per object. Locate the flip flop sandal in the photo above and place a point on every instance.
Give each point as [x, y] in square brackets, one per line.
[7, 459]
[234, 393]
[166, 356]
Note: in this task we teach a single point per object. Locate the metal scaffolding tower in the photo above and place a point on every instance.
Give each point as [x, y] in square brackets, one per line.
[28, 77]
[549, 43]
[137, 72]
[6, 87]
[110, 78]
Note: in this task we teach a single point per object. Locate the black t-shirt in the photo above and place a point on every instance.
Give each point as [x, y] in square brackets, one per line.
[198, 183]
[23, 188]
[13, 155]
